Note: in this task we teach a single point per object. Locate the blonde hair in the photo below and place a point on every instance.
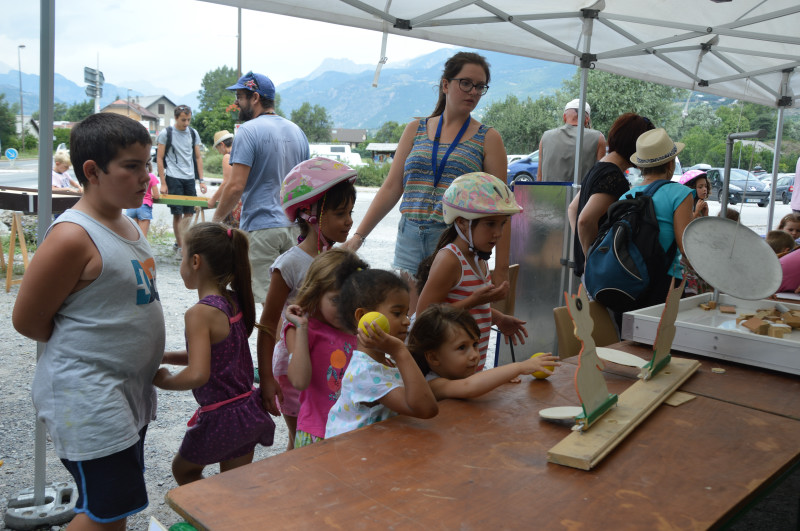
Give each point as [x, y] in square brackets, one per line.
[62, 157]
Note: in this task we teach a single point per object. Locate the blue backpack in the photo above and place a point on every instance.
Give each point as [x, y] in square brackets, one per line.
[626, 261]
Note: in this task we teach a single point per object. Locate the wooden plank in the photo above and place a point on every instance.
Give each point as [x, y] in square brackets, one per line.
[584, 450]
[182, 200]
[678, 398]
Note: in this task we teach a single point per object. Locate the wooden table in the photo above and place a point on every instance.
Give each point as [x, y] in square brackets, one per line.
[481, 464]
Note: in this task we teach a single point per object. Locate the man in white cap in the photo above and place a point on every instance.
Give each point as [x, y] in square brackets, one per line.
[557, 147]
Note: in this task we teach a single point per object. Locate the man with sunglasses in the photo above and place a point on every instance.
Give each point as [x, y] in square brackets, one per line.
[180, 162]
[557, 147]
[265, 148]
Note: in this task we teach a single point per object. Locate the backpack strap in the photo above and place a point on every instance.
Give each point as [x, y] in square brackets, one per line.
[167, 147]
[652, 188]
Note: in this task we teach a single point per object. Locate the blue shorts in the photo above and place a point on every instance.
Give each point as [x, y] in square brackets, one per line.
[415, 242]
[181, 187]
[111, 488]
[144, 212]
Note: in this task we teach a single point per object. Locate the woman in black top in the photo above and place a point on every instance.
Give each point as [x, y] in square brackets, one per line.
[604, 184]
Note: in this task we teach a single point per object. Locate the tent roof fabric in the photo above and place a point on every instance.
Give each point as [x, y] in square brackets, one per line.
[743, 49]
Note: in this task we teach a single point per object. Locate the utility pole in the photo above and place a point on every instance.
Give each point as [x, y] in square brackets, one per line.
[239, 47]
[129, 103]
[21, 114]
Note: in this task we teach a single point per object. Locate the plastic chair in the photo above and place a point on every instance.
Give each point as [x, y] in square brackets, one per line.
[604, 331]
[507, 305]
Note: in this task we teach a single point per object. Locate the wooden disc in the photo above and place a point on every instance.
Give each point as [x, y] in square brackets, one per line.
[620, 357]
[561, 412]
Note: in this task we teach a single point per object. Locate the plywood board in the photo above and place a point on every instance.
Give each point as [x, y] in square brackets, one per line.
[584, 450]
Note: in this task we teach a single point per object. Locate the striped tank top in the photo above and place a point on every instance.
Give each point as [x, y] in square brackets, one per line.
[471, 281]
[422, 202]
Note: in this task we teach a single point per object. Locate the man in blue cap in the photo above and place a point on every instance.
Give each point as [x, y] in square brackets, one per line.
[265, 148]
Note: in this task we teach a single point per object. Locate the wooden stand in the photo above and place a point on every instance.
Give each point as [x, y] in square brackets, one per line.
[16, 235]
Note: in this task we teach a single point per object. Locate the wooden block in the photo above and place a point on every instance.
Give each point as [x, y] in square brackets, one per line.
[727, 309]
[679, 397]
[772, 318]
[705, 306]
[712, 304]
[584, 450]
[747, 315]
[756, 325]
[791, 319]
[779, 330]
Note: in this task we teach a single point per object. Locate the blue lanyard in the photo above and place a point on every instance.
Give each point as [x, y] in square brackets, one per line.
[437, 173]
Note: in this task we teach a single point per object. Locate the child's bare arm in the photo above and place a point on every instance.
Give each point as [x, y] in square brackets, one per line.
[297, 344]
[445, 273]
[415, 398]
[265, 342]
[175, 357]
[154, 190]
[198, 339]
[66, 262]
[484, 381]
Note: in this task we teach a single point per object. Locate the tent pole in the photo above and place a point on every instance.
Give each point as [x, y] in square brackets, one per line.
[784, 101]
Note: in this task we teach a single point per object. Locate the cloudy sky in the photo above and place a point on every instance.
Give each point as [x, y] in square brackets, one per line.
[173, 43]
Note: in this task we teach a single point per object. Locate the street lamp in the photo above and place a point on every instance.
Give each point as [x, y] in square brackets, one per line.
[21, 115]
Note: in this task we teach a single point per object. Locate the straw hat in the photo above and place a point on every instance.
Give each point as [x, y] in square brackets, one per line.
[220, 136]
[654, 148]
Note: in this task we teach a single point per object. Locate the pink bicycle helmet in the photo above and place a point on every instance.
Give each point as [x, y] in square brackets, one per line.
[690, 176]
[307, 182]
[477, 195]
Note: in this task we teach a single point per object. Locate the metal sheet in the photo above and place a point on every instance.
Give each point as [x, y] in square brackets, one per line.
[732, 258]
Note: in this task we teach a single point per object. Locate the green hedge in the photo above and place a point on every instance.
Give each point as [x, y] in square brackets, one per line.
[372, 174]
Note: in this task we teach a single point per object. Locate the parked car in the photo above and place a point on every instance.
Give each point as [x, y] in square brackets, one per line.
[524, 169]
[742, 184]
[701, 167]
[785, 187]
[513, 158]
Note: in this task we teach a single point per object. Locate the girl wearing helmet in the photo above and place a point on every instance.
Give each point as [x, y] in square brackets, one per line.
[697, 180]
[318, 194]
[477, 207]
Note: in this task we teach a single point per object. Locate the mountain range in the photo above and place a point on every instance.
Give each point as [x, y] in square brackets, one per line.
[343, 87]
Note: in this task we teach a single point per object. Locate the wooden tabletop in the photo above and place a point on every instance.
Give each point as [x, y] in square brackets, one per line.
[481, 464]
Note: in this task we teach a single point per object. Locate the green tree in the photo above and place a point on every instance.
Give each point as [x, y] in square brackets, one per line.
[213, 88]
[699, 143]
[79, 111]
[732, 120]
[61, 136]
[314, 121]
[611, 95]
[702, 116]
[8, 122]
[389, 132]
[521, 124]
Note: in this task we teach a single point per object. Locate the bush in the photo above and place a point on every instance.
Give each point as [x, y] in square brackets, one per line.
[372, 174]
[212, 162]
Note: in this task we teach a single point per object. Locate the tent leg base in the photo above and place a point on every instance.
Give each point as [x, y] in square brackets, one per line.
[58, 507]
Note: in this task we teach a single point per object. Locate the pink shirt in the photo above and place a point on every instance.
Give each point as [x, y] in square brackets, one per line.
[790, 264]
[148, 196]
[795, 203]
[330, 351]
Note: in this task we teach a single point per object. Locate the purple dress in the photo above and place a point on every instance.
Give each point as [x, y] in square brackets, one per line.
[233, 429]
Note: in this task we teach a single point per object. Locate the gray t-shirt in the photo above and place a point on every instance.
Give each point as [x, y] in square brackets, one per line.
[179, 159]
[93, 385]
[270, 146]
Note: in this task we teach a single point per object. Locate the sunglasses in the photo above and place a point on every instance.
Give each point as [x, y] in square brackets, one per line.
[183, 108]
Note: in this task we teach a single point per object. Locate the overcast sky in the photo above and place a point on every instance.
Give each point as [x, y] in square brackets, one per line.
[172, 43]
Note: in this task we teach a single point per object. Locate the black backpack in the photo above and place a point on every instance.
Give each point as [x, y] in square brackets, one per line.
[626, 263]
[168, 146]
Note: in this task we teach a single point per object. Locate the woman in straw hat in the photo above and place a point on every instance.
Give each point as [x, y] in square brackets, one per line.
[655, 156]
[223, 140]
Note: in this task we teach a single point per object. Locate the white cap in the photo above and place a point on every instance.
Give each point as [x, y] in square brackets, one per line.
[575, 104]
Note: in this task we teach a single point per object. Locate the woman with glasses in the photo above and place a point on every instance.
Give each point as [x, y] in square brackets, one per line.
[431, 153]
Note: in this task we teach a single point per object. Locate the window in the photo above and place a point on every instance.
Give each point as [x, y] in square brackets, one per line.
[161, 108]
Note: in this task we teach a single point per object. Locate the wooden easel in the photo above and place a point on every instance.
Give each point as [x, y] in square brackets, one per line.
[16, 235]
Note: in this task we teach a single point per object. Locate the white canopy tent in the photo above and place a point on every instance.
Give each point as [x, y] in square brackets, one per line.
[743, 49]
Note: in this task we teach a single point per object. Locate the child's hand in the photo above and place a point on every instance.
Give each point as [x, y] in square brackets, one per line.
[513, 328]
[701, 208]
[489, 294]
[379, 340]
[295, 315]
[161, 375]
[539, 363]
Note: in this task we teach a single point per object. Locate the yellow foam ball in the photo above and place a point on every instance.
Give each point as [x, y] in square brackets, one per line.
[373, 317]
[539, 375]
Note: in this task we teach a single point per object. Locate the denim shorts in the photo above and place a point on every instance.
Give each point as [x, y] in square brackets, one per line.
[415, 242]
[111, 488]
[144, 212]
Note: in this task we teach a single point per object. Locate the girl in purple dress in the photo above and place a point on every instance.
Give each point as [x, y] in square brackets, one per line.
[231, 419]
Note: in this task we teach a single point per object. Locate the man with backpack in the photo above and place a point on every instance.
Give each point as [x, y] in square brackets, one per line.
[638, 249]
[180, 163]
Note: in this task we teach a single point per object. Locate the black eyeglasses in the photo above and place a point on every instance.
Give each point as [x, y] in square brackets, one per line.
[467, 85]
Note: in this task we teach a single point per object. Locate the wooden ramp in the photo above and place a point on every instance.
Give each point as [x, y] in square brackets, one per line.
[586, 449]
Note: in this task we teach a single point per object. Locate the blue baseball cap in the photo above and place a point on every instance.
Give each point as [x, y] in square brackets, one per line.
[255, 83]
